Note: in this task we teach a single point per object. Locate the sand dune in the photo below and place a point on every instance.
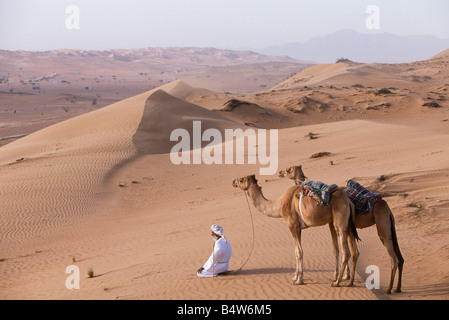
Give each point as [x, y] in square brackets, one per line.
[441, 55]
[314, 75]
[100, 191]
[92, 146]
[70, 161]
[163, 114]
[182, 90]
[39, 89]
[246, 113]
[148, 244]
[340, 74]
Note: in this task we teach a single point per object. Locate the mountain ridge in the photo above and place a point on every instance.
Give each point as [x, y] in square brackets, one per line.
[367, 48]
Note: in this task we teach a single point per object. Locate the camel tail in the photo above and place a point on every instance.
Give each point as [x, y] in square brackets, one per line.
[352, 227]
[394, 238]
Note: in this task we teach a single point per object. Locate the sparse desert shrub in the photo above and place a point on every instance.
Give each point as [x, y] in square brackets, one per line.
[414, 205]
[431, 104]
[383, 91]
[320, 154]
[294, 110]
[90, 272]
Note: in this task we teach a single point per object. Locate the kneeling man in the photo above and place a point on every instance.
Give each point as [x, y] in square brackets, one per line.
[218, 262]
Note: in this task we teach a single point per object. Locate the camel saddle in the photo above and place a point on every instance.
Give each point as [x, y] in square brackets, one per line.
[363, 199]
[317, 190]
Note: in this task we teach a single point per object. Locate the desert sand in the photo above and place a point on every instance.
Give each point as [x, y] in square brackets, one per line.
[38, 89]
[99, 190]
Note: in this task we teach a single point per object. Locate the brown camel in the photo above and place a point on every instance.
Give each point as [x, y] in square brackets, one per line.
[337, 215]
[381, 216]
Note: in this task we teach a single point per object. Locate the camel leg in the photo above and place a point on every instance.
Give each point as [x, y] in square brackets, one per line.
[336, 251]
[394, 263]
[400, 264]
[298, 278]
[354, 250]
[387, 234]
[342, 239]
[355, 257]
[397, 263]
[347, 274]
[398, 254]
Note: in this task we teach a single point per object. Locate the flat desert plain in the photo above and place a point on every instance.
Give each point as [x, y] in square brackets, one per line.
[100, 190]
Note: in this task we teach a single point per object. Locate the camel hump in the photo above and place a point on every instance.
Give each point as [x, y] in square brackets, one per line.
[363, 199]
[319, 191]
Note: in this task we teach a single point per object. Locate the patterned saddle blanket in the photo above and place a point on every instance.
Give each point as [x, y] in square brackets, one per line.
[363, 199]
[319, 191]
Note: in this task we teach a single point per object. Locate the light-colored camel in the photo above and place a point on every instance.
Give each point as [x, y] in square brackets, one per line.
[381, 216]
[337, 215]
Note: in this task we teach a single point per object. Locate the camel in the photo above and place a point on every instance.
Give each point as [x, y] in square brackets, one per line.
[381, 216]
[338, 215]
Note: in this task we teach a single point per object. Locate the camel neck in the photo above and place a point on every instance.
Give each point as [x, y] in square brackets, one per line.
[270, 208]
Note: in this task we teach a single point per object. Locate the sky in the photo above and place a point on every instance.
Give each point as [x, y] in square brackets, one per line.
[41, 25]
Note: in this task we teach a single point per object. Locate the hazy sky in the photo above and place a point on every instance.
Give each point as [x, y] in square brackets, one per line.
[233, 24]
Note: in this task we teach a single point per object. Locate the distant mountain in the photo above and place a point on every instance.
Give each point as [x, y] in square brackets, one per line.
[367, 48]
[120, 73]
[167, 57]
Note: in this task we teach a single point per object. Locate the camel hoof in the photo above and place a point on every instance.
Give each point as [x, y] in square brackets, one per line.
[398, 290]
[350, 284]
[297, 281]
[335, 284]
[387, 291]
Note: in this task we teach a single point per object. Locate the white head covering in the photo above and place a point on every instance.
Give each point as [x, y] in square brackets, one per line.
[217, 229]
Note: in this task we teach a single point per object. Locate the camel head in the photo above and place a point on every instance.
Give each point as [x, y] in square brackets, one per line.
[245, 183]
[294, 172]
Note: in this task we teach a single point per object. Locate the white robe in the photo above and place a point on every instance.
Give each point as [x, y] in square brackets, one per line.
[218, 262]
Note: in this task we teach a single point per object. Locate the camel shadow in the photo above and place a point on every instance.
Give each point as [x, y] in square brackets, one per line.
[259, 271]
[265, 271]
[431, 291]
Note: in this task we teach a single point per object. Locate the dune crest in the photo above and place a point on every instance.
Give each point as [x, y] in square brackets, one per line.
[441, 55]
[340, 74]
[164, 113]
[184, 91]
